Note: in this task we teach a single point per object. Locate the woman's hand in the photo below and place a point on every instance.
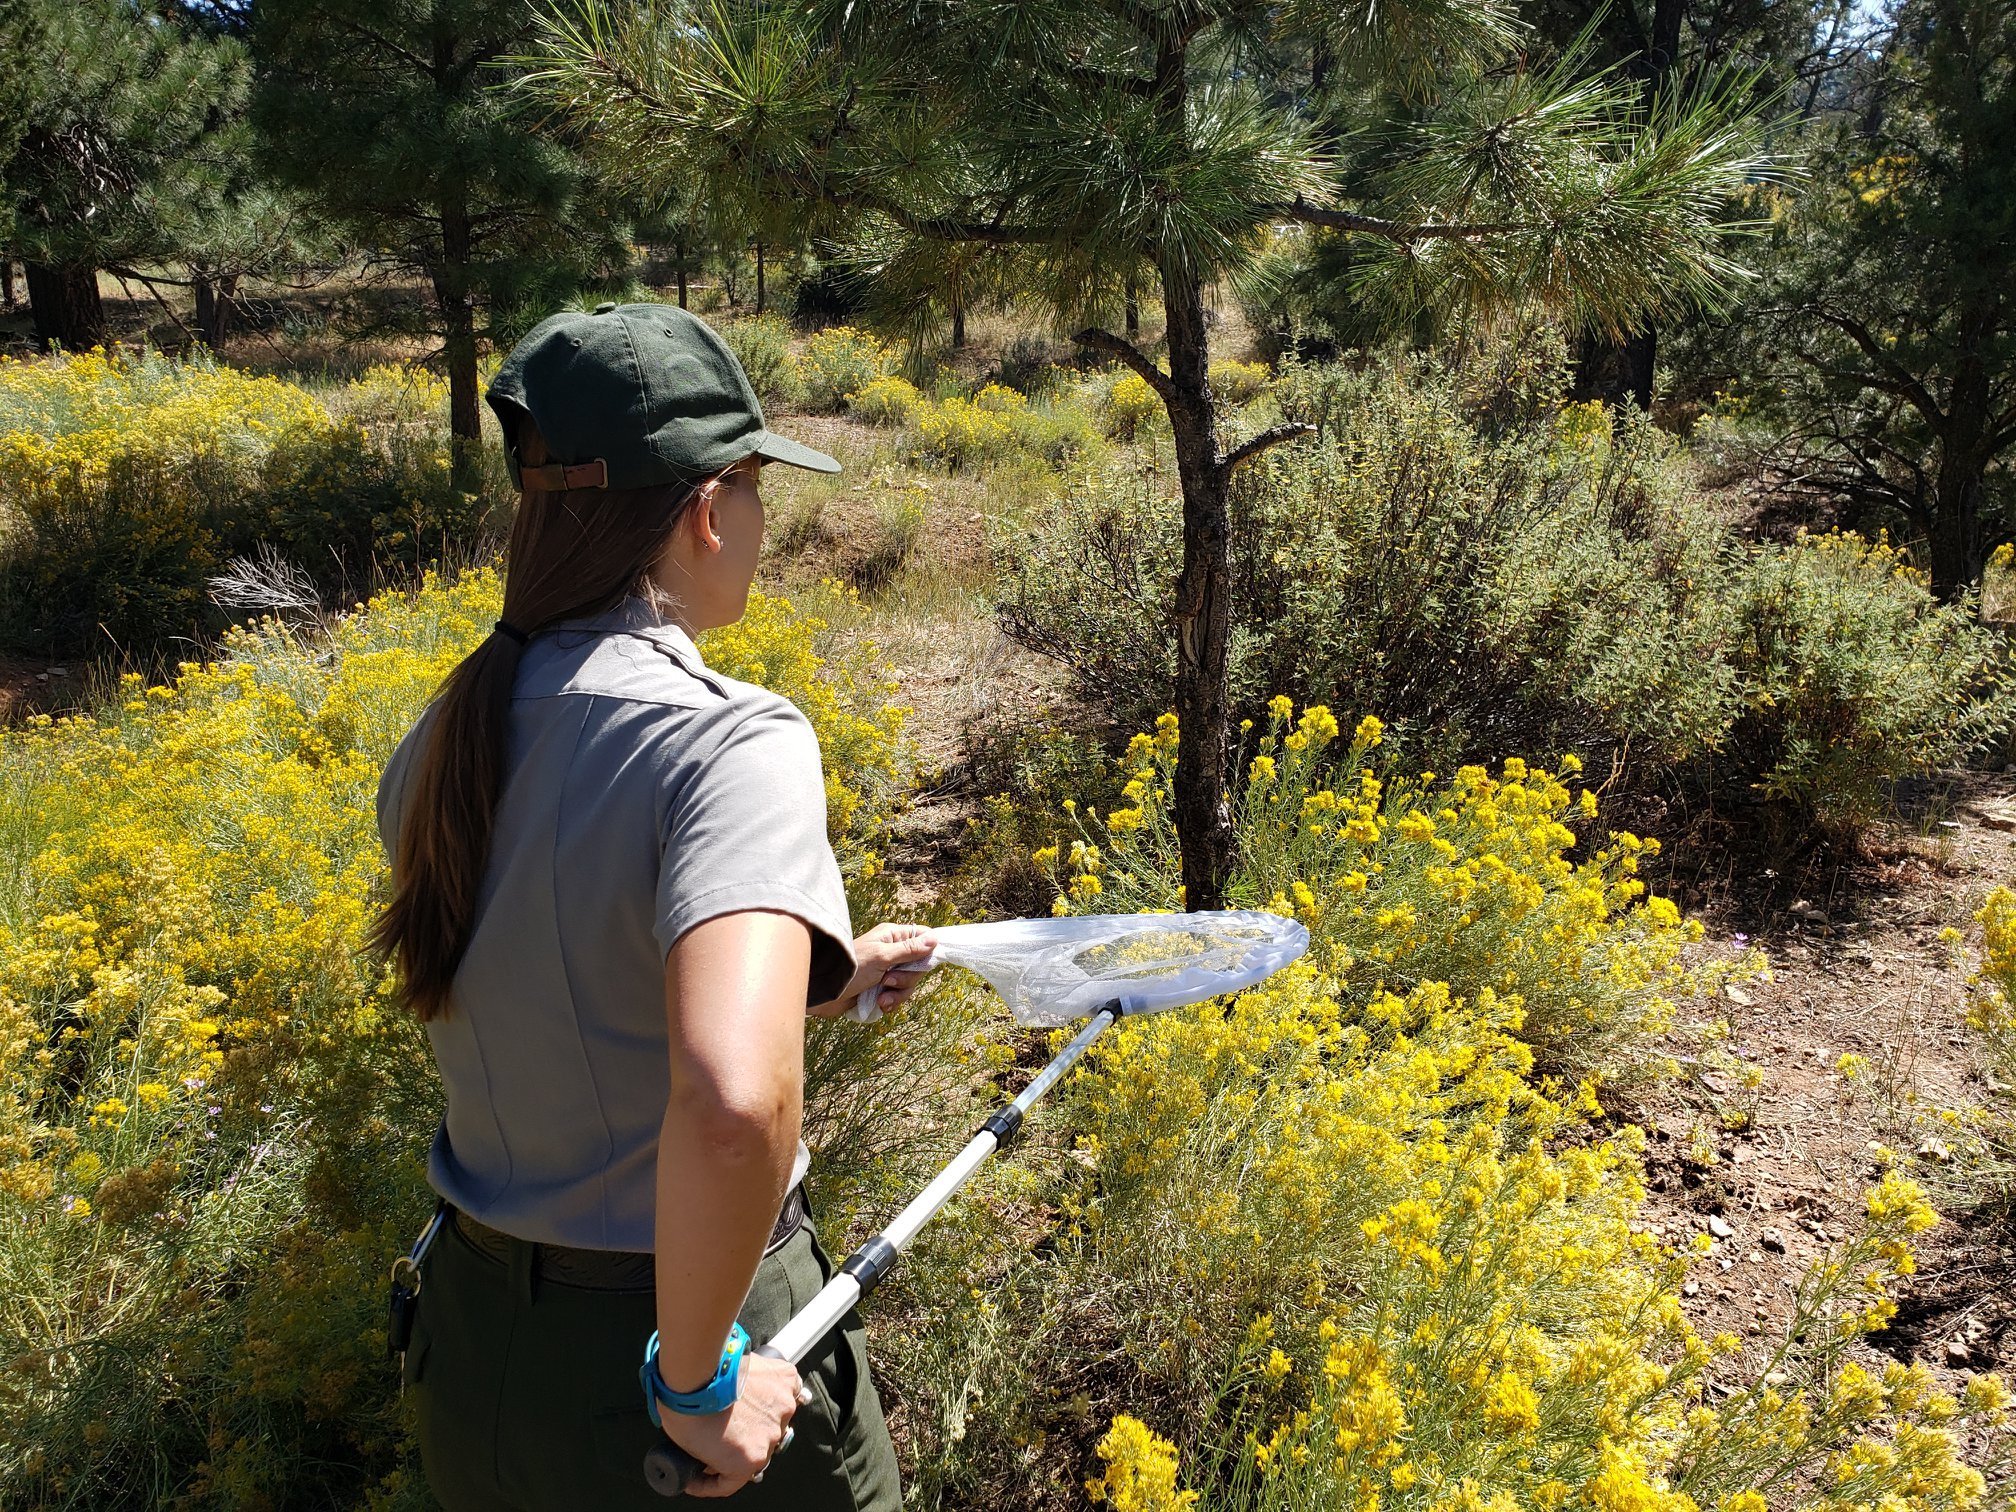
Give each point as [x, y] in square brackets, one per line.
[735, 1446]
[881, 956]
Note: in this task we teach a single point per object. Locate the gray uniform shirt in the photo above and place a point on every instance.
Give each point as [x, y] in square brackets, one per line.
[643, 793]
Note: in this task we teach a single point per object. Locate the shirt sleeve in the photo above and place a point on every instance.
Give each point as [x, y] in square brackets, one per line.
[746, 828]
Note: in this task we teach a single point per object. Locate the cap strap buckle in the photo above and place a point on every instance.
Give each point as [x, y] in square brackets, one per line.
[557, 477]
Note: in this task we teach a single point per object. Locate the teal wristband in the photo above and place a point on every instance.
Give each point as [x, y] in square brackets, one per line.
[718, 1395]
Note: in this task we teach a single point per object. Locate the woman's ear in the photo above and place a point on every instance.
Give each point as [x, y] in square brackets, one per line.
[706, 517]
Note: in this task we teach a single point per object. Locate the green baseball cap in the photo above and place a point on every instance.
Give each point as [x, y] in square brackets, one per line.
[633, 395]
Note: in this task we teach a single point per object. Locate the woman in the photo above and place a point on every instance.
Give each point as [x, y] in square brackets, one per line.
[613, 905]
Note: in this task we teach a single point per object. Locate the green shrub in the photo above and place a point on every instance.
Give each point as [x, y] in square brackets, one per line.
[762, 344]
[1497, 570]
[1852, 676]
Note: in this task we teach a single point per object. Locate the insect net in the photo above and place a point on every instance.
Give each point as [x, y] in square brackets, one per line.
[1051, 971]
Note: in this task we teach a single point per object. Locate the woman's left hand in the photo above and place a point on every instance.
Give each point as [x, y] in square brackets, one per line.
[883, 957]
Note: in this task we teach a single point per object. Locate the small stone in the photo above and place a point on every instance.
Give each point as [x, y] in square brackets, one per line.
[1754, 1256]
[1935, 1150]
[1690, 1288]
[1719, 1227]
[1957, 1354]
[1999, 819]
[1737, 995]
[1772, 1240]
[1777, 1378]
[59, 671]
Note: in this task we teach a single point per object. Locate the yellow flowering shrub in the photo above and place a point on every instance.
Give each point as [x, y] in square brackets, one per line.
[1130, 404]
[1351, 1252]
[130, 481]
[78, 419]
[212, 1119]
[1403, 878]
[995, 424]
[839, 361]
[1238, 382]
[886, 400]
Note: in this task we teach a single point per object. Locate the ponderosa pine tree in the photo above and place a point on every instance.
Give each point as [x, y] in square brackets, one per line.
[1093, 140]
[376, 111]
[119, 141]
[1884, 342]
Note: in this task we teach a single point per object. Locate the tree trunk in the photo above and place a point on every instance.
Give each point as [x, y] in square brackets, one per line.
[458, 316]
[67, 309]
[1958, 544]
[759, 278]
[958, 321]
[1132, 313]
[679, 252]
[1203, 603]
[1614, 371]
[7, 282]
[214, 308]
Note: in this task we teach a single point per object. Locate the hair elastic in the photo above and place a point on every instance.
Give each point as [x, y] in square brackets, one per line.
[513, 631]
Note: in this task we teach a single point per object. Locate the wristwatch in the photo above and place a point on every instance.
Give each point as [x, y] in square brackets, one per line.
[718, 1395]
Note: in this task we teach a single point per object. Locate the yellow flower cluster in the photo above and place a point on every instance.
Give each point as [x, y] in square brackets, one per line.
[1140, 1473]
[73, 420]
[887, 400]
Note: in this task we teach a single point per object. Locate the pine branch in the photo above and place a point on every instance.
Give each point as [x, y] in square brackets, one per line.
[1272, 436]
[1133, 356]
[1908, 386]
[1372, 225]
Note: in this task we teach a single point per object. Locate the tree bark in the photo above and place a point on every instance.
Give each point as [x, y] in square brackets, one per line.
[1203, 619]
[214, 308]
[1614, 371]
[458, 315]
[679, 252]
[7, 282]
[1132, 311]
[68, 312]
[1958, 543]
[958, 321]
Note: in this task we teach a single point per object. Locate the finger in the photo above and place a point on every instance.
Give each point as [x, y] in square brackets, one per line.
[804, 1395]
[897, 976]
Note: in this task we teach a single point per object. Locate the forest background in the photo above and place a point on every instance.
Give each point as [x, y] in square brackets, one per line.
[1523, 488]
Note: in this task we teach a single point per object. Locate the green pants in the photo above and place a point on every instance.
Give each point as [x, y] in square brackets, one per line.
[528, 1401]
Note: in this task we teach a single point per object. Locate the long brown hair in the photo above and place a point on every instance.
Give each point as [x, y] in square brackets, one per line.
[574, 553]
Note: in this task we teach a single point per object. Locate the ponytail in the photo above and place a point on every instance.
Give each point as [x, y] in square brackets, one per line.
[574, 553]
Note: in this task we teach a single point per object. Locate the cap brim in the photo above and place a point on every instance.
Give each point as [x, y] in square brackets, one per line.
[783, 449]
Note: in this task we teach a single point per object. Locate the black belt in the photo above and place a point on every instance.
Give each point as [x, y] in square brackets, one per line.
[606, 1270]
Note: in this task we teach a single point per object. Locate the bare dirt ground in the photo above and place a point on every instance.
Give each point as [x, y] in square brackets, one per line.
[1858, 969]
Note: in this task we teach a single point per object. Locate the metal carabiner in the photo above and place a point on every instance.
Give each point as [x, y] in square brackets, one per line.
[405, 1299]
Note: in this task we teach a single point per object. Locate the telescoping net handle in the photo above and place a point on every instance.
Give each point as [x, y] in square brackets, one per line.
[1049, 972]
[670, 1469]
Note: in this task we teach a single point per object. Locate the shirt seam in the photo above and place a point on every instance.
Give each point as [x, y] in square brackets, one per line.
[567, 976]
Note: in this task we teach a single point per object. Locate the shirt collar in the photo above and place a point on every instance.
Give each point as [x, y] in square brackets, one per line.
[634, 613]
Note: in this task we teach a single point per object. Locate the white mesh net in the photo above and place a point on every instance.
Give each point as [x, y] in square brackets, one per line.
[1051, 971]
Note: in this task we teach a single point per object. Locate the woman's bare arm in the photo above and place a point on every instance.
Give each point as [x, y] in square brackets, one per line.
[735, 1014]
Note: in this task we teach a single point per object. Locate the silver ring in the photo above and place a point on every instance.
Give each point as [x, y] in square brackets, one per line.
[759, 1474]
